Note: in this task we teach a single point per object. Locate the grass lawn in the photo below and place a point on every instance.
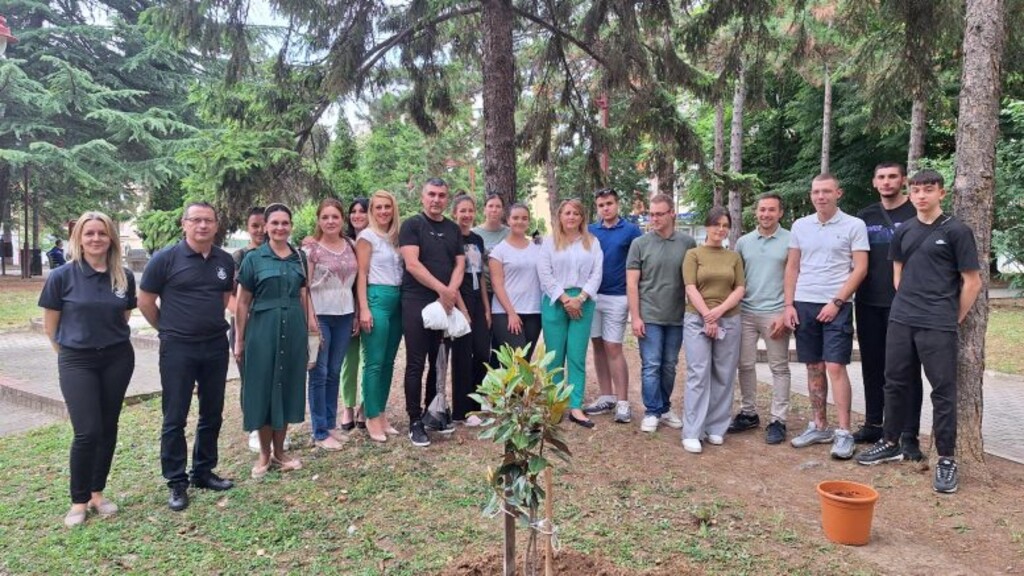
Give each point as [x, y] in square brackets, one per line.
[1003, 341]
[18, 304]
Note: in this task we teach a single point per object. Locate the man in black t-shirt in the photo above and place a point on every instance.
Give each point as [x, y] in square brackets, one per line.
[936, 271]
[874, 297]
[431, 247]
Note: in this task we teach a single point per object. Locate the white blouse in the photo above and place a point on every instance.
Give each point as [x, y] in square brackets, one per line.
[385, 261]
[572, 267]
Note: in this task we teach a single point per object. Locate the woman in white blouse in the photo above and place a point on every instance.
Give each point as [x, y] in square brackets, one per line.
[515, 309]
[570, 274]
[380, 309]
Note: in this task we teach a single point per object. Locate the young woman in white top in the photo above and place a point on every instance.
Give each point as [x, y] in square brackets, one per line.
[515, 308]
[570, 269]
[331, 263]
[380, 312]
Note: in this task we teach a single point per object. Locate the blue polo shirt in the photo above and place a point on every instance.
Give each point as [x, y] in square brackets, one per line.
[615, 241]
[191, 290]
[91, 312]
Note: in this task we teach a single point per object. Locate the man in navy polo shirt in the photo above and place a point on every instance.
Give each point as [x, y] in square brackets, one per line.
[612, 308]
[193, 280]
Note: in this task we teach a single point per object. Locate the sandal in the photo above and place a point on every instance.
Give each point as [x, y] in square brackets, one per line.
[104, 509]
[288, 466]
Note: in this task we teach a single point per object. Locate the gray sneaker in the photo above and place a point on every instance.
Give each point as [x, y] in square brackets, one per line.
[812, 436]
[623, 413]
[602, 405]
[843, 446]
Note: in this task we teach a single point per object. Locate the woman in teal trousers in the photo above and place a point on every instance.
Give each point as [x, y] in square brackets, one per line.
[570, 274]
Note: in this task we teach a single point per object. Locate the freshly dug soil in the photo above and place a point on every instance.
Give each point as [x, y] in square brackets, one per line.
[566, 563]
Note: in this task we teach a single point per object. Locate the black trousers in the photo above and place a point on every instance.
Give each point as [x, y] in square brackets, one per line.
[528, 335]
[183, 367]
[872, 327]
[469, 361]
[419, 344]
[936, 351]
[93, 383]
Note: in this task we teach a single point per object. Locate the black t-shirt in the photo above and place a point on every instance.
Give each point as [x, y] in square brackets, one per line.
[473, 248]
[929, 294]
[191, 290]
[439, 242]
[877, 288]
[91, 312]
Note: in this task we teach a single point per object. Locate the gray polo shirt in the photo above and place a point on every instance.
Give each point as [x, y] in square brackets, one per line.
[764, 261]
[826, 254]
[660, 262]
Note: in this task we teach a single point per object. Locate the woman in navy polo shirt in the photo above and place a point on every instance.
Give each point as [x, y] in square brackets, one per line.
[87, 303]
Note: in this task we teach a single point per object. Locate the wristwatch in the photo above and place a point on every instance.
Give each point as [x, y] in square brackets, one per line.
[583, 296]
[838, 302]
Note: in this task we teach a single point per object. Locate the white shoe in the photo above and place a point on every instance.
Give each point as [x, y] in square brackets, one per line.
[671, 420]
[254, 441]
[649, 423]
[692, 445]
[715, 439]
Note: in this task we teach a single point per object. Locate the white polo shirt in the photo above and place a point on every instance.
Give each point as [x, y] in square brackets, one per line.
[826, 254]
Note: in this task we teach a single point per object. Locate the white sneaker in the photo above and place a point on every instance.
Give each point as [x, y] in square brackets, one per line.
[623, 413]
[649, 423]
[715, 439]
[671, 420]
[692, 445]
[254, 441]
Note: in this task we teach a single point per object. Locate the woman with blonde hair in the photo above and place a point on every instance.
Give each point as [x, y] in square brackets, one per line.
[570, 270]
[86, 305]
[380, 309]
[331, 270]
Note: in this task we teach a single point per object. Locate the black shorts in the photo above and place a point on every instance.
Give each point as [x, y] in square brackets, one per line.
[824, 342]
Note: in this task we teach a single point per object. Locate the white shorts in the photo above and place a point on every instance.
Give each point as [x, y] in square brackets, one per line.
[610, 316]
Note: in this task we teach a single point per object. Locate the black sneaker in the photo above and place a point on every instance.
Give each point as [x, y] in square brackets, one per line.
[418, 435]
[881, 451]
[868, 434]
[775, 433]
[743, 422]
[946, 480]
[911, 448]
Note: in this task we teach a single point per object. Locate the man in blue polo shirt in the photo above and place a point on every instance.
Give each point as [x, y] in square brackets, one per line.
[612, 309]
[193, 280]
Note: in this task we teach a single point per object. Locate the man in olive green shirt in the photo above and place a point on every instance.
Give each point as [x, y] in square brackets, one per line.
[656, 298]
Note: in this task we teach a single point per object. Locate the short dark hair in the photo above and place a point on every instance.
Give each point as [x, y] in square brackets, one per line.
[277, 207]
[255, 211]
[191, 205]
[435, 181]
[771, 196]
[716, 214]
[927, 176]
[882, 165]
[662, 199]
[825, 176]
[606, 192]
[518, 206]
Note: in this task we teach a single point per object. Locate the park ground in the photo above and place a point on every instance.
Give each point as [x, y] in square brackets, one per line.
[629, 503]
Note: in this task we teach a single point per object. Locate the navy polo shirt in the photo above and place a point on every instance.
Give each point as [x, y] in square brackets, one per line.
[91, 312]
[191, 290]
[615, 242]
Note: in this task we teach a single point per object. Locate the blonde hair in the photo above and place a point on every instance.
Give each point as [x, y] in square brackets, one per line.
[392, 231]
[559, 235]
[118, 279]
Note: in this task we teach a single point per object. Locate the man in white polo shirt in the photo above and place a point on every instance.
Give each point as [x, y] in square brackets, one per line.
[828, 259]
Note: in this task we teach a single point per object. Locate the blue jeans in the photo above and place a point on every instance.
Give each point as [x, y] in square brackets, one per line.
[325, 377]
[659, 355]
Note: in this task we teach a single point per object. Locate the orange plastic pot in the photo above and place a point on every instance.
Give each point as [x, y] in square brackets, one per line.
[847, 509]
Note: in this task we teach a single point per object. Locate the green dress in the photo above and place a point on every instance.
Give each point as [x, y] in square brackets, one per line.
[274, 363]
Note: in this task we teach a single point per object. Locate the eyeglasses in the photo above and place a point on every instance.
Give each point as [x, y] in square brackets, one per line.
[659, 214]
[196, 220]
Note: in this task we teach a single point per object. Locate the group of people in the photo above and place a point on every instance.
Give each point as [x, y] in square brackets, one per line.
[333, 310]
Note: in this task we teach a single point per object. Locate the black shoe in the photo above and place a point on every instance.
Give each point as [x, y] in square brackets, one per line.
[179, 497]
[213, 482]
[911, 448]
[743, 422]
[418, 435]
[946, 480]
[585, 423]
[868, 434]
[775, 433]
[349, 426]
[881, 451]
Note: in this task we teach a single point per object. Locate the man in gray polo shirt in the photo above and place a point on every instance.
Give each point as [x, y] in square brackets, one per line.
[764, 252]
[657, 300]
[828, 259]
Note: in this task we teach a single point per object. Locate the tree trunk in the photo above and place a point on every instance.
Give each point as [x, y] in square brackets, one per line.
[918, 125]
[826, 124]
[719, 160]
[977, 131]
[5, 208]
[667, 168]
[739, 98]
[552, 185]
[499, 99]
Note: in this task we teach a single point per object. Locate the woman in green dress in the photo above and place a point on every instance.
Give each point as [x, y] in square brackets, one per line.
[273, 317]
